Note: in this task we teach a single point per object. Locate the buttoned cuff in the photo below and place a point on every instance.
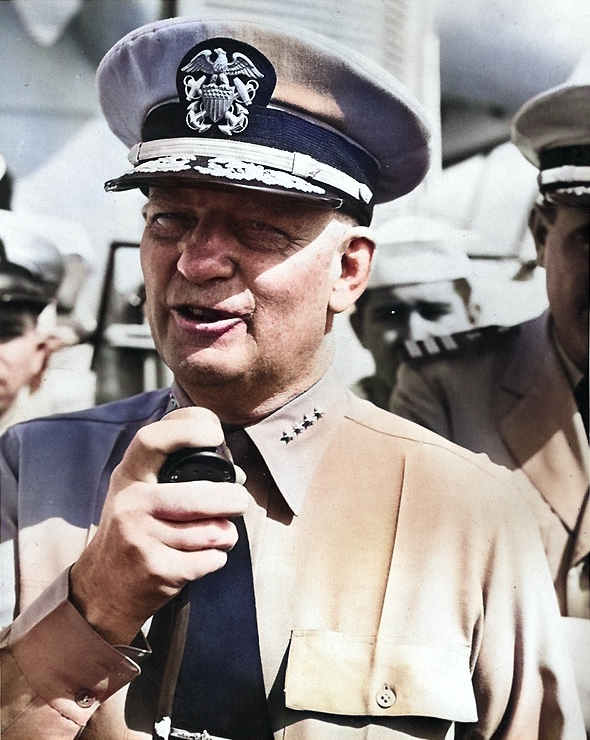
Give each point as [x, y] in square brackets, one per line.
[69, 665]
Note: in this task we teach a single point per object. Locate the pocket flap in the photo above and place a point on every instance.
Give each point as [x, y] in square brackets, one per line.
[349, 674]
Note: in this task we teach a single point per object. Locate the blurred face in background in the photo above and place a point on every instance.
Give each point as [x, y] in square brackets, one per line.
[562, 236]
[386, 317]
[23, 354]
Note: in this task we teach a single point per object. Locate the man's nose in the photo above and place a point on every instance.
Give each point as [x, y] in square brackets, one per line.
[207, 253]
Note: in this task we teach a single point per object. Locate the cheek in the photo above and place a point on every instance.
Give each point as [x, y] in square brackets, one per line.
[454, 321]
[562, 281]
[158, 262]
[16, 368]
[285, 309]
[301, 282]
[158, 268]
[389, 336]
[148, 268]
[17, 354]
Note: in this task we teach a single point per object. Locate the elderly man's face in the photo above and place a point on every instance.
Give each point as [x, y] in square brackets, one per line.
[239, 285]
[391, 315]
[562, 245]
[22, 356]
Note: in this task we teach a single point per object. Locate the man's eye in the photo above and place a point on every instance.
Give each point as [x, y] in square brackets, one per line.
[389, 314]
[434, 311]
[260, 226]
[169, 224]
[581, 240]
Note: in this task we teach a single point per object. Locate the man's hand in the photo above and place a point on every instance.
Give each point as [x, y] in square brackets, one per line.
[153, 538]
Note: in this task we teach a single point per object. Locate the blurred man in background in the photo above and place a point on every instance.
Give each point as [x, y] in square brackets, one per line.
[31, 269]
[75, 316]
[419, 289]
[524, 399]
[76, 320]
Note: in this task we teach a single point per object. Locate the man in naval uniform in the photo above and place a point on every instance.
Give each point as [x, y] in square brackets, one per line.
[31, 270]
[419, 289]
[521, 395]
[381, 583]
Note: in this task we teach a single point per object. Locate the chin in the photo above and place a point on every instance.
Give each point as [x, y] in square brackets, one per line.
[201, 368]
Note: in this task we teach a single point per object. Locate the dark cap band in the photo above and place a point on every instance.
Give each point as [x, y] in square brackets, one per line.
[564, 173]
[321, 164]
[577, 155]
[552, 130]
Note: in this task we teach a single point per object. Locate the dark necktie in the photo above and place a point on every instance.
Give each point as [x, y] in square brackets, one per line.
[581, 396]
[220, 687]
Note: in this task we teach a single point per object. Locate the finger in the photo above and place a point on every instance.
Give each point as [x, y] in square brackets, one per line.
[193, 500]
[197, 415]
[179, 568]
[240, 475]
[205, 534]
[187, 427]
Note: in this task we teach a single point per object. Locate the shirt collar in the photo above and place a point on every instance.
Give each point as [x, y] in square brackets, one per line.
[293, 439]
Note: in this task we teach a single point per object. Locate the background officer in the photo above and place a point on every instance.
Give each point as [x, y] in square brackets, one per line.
[31, 269]
[419, 288]
[524, 399]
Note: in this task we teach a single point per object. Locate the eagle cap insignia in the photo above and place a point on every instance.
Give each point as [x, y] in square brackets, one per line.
[219, 80]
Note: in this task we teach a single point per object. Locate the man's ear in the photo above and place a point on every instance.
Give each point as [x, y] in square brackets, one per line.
[352, 267]
[539, 229]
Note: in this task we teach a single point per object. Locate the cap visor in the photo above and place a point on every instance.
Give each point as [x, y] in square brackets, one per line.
[233, 174]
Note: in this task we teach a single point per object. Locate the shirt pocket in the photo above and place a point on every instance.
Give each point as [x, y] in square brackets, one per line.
[356, 675]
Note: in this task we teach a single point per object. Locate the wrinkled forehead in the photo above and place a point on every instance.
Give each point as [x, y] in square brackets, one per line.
[233, 204]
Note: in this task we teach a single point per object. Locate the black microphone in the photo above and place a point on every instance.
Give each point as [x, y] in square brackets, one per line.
[204, 463]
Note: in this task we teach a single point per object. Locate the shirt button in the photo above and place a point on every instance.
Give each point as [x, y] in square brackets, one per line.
[84, 698]
[385, 697]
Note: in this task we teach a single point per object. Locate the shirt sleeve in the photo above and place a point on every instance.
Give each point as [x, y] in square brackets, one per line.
[56, 670]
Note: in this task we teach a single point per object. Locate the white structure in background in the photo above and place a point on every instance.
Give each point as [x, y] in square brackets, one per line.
[491, 194]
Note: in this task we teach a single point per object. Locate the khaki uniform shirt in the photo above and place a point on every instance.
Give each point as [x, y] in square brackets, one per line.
[514, 401]
[401, 589]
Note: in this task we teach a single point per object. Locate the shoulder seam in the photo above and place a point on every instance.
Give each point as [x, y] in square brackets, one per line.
[472, 458]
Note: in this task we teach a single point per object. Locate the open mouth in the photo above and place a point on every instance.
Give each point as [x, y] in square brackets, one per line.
[210, 320]
[206, 315]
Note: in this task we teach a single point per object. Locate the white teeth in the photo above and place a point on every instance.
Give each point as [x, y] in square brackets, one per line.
[201, 313]
[206, 314]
